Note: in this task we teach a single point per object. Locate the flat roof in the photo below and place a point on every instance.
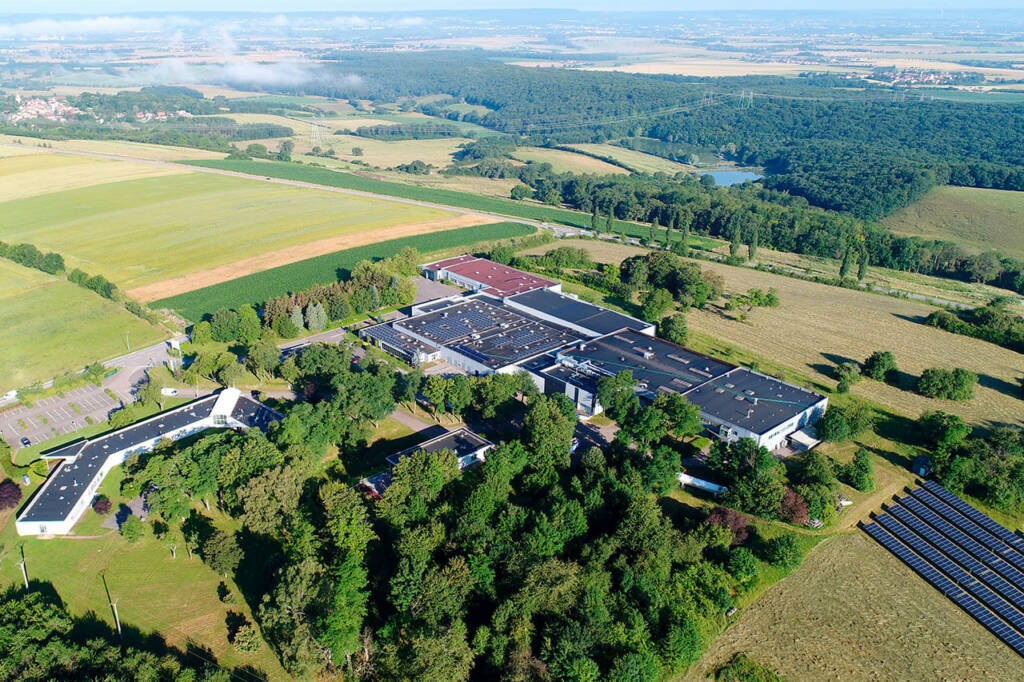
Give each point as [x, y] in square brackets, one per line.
[386, 333]
[64, 487]
[495, 278]
[461, 441]
[723, 391]
[752, 401]
[489, 332]
[580, 313]
[82, 461]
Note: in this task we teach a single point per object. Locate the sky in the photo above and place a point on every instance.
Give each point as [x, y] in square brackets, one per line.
[275, 6]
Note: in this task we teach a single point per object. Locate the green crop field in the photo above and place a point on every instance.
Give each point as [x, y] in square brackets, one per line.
[51, 326]
[980, 219]
[260, 286]
[331, 178]
[142, 232]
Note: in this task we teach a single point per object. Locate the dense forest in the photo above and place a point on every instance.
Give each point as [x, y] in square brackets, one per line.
[745, 214]
[849, 149]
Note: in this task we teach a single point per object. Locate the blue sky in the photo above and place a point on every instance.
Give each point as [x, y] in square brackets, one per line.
[275, 6]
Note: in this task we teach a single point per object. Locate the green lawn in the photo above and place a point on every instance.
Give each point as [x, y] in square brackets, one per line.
[140, 232]
[980, 219]
[50, 326]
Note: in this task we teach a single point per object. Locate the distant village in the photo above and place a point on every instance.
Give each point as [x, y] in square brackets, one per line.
[58, 110]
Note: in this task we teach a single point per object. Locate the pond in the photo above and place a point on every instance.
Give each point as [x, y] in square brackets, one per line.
[724, 178]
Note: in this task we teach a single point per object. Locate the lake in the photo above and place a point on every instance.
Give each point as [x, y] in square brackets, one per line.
[724, 178]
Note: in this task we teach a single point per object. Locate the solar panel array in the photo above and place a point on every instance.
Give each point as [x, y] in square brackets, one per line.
[975, 562]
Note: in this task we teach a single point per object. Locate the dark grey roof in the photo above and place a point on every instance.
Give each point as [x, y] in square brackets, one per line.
[65, 485]
[580, 313]
[489, 332]
[461, 441]
[752, 401]
[386, 333]
[656, 364]
[254, 414]
[722, 391]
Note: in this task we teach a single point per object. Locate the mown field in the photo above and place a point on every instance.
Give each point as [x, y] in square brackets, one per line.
[258, 287]
[30, 172]
[141, 232]
[980, 219]
[568, 162]
[852, 611]
[51, 326]
[817, 326]
[638, 161]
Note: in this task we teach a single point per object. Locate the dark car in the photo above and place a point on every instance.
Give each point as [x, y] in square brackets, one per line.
[25, 442]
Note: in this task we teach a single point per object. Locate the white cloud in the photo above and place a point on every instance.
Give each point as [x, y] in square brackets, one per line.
[54, 28]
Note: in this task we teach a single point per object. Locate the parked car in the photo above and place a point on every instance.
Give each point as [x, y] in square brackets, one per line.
[25, 442]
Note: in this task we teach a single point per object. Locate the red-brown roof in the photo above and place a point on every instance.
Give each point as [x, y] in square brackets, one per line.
[497, 279]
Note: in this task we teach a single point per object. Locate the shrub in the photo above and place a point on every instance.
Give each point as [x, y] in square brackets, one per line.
[246, 639]
[132, 529]
[859, 473]
[736, 522]
[793, 508]
[783, 551]
[742, 564]
[741, 668]
[10, 494]
[880, 365]
[936, 382]
[101, 506]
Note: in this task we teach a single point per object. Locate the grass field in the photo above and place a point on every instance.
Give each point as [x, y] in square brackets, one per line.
[29, 174]
[51, 326]
[855, 612]
[141, 232]
[390, 153]
[567, 162]
[980, 219]
[817, 325]
[638, 161]
[157, 594]
[135, 150]
[260, 286]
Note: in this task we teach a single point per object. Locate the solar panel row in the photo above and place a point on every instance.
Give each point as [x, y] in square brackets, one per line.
[986, 522]
[997, 546]
[946, 541]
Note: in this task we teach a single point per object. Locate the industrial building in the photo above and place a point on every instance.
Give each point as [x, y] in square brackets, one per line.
[480, 274]
[512, 321]
[469, 449]
[735, 402]
[69, 490]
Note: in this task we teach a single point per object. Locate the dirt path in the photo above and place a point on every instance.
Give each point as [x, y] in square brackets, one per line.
[292, 254]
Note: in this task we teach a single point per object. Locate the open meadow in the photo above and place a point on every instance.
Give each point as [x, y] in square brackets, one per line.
[853, 611]
[134, 150]
[980, 219]
[568, 162]
[51, 326]
[142, 232]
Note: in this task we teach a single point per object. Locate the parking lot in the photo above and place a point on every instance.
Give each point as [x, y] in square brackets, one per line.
[55, 416]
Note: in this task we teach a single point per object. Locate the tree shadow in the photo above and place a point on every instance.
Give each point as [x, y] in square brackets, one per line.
[916, 319]
[683, 516]
[261, 557]
[1001, 386]
[904, 381]
[836, 359]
